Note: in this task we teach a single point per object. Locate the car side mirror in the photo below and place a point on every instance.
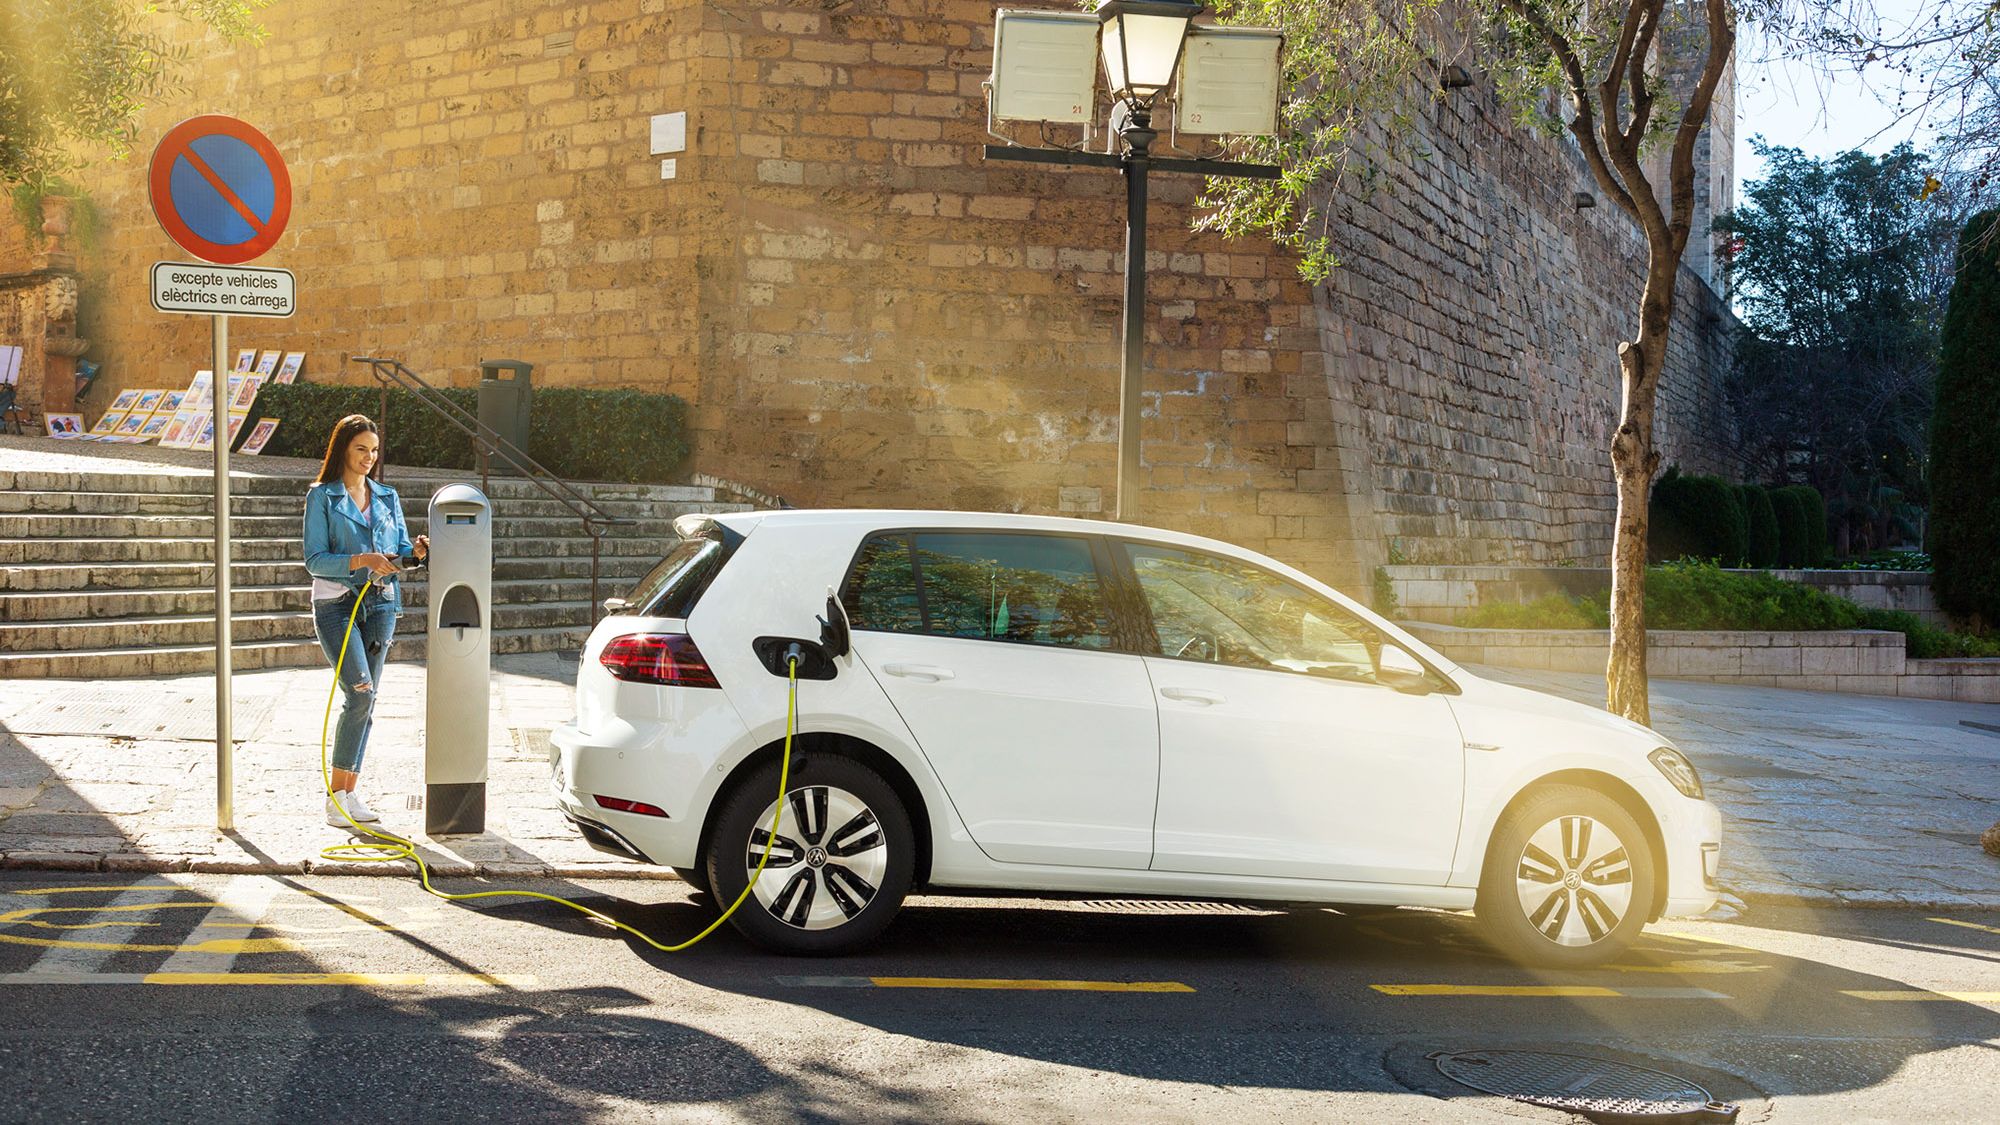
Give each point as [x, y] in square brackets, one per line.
[1398, 669]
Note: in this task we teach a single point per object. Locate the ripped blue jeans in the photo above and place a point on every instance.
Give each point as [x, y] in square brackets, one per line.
[361, 675]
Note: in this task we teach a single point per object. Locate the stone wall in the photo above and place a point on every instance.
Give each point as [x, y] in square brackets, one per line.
[862, 310]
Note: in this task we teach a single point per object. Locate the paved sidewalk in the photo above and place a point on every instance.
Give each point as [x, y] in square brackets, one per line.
[1828, 799]
[131, 798]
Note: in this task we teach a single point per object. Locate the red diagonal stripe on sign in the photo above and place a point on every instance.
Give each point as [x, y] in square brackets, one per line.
[222, 189]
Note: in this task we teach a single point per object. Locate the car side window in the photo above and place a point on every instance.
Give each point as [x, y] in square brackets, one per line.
[881, 593]
[1209, 608]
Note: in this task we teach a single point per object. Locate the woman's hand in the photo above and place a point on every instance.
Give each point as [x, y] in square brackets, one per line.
[381, 566]
[423, 551]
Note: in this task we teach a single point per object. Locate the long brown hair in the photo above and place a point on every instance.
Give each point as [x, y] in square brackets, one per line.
[344, 433]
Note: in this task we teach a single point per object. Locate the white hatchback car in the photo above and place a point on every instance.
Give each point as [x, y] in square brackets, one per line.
[1067, 706]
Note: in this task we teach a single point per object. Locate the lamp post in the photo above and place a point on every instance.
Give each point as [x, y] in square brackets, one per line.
[1142, 43]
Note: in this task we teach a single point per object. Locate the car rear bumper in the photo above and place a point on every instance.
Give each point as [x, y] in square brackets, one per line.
[663, 765]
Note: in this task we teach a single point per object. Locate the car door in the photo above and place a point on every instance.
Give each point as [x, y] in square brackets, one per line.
[1280, 754]
[997, 650]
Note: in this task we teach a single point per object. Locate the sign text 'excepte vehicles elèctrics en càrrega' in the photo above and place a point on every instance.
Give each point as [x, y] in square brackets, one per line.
[187, 287]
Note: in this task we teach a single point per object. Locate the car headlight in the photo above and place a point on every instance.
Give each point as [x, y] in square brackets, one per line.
[1678, 770]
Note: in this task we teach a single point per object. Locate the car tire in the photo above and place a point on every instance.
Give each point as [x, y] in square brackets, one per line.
[841, 867]
[1569, 879]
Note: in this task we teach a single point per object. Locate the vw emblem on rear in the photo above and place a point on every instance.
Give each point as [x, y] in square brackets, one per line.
[816, 857]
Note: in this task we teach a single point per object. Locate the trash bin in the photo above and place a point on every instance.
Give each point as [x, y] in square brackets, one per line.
[504, 401]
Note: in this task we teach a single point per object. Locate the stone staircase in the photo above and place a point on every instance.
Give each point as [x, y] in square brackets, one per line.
[106, 574]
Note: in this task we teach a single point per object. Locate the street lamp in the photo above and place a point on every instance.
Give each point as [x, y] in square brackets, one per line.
[1228, 85]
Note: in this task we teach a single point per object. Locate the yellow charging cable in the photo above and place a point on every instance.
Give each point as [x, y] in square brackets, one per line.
[393, 847]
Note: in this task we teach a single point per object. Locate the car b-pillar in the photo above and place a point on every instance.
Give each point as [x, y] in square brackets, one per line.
[460, 661]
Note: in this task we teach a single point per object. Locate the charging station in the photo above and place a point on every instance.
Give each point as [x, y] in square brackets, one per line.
[459, 666]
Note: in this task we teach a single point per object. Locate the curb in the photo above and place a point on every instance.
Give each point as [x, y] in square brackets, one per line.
[1865, 900]
[128, 863]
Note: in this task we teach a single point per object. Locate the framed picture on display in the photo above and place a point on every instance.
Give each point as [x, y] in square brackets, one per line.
[236, 418]
[126, 400]
[267, 363]
[155, 426]
[108, 422]
[260, 435]
[63, 425]
[203, 429]
[133, 423]
[246, 359]
[173, 401]
[174, 437]
[246, 394]
[289, 370]
[149, 401]
[199, 392]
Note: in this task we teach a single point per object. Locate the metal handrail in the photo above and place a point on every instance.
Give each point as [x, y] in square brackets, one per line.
[487, 443]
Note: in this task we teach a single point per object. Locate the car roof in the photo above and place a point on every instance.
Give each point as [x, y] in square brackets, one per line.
[871, 519]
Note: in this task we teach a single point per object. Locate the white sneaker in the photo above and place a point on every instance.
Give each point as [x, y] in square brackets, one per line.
[353, 808]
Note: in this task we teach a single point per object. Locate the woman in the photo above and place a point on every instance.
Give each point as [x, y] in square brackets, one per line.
[354, 530]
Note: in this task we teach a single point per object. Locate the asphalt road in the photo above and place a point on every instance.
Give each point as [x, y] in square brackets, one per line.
[218, 998]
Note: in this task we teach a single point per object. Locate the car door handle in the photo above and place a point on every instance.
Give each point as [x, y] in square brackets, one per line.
[1193, 695]
[928, 672]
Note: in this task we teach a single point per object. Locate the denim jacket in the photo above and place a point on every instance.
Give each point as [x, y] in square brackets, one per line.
[336, 529]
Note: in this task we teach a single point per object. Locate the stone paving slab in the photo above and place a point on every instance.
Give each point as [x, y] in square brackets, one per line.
[1876, 801]
[1827, 799]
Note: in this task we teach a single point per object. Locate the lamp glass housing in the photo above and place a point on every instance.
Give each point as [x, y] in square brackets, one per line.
[1142, 45]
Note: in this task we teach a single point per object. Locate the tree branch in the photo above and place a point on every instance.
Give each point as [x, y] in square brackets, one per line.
[1680, 169]
[1643, 99]
[1582, 126]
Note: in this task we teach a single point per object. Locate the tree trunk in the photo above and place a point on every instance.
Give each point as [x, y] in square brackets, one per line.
[1634, 461]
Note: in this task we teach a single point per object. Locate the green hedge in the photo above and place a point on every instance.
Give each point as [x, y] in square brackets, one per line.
[1696, 518]
[1699, 595]
[1965, 446]
[1763, 521]
[579, 435]
[1790, 512]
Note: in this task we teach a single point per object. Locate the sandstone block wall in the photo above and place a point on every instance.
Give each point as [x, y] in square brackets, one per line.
[862, 310]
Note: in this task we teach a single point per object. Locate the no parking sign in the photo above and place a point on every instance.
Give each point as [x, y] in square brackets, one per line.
[220, 189]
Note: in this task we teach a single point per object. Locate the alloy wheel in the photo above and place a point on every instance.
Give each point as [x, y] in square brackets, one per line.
[1574, 880]
[827, 861]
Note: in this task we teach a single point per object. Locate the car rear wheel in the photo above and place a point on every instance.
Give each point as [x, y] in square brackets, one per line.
[1568, 880]
[840, 863]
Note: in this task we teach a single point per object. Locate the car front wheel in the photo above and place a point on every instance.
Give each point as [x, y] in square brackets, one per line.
[839, 865]
[1568, 880]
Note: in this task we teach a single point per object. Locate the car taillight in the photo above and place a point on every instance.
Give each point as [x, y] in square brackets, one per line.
[657, 658]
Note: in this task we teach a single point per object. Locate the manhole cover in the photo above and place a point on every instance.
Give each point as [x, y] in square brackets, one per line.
[1602, 1090]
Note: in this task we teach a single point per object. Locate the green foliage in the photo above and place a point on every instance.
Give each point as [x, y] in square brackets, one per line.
[1889, 560]
[1790, 513]
[1763, 521]
[1839, 269]
[1699, 595]
[75, 74]
[1965, 443]
[1551, 611]
[1383, 598]
[1697, 518]
[579, 435]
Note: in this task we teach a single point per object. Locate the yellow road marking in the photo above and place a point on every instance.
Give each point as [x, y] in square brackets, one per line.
[1494, 990]
[1031, 985]
[1969, 925]
[369, 980]
[1924, 994]
[219, 945]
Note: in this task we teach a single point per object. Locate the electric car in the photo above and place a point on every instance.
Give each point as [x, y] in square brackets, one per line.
[1066, 706]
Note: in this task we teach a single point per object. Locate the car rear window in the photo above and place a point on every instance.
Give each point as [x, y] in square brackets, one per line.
[671, 588]
[1022, 588]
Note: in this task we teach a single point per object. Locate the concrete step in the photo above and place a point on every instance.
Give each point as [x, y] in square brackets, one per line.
[73, 636]
[141, 576]
[290, 506]
[67, 525]
[187, 660]
[17, 552]
[287, 597]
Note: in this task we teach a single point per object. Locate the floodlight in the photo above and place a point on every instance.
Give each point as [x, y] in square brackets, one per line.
[1229, 82]
[1044, 66]
[1142, 44]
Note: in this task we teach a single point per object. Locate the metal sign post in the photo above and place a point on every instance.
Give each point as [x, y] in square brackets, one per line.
[222, 192]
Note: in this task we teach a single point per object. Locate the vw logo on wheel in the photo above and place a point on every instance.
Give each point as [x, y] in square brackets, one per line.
[816, 857]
